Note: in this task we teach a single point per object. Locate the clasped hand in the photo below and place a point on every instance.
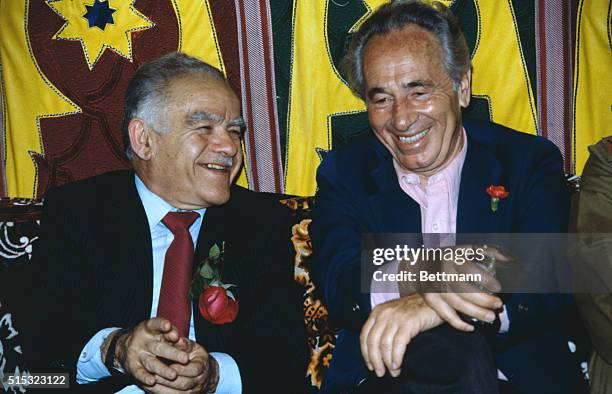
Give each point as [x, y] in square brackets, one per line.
[473, 299]
[393, 324]
[162, 361]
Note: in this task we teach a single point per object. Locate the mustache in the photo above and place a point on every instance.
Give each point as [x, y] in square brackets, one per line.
[219, 160]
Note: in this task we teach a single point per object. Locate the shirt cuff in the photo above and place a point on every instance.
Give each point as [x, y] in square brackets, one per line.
[229, 374]
[382, 291]
[90, 367]
[504, 320]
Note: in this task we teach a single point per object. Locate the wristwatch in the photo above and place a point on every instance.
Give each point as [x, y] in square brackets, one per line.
[109, 362]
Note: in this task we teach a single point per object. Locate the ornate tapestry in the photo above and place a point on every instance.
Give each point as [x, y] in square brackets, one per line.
[539, 66]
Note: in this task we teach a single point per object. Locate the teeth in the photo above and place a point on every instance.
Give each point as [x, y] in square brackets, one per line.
[415, 137]
[215, 167]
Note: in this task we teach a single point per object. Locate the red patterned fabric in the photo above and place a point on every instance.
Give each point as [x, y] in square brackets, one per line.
[83, 145]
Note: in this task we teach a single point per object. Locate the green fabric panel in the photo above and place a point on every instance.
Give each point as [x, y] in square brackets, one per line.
[466, 12]
[340, 18]
[524, 11]
[282, 30]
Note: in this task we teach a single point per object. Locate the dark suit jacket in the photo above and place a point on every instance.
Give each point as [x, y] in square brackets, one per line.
[95, 263]
[359, 193]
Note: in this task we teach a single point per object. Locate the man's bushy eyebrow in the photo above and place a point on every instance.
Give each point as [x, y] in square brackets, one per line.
[419, 83]
[201, 116]
[374, 91]
[238, 122]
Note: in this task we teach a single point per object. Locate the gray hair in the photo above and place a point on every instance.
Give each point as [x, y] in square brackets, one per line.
[148, 90]
[435, 18]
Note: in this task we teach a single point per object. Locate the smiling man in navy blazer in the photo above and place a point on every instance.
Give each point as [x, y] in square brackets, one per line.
[117, 253]
[424, 170]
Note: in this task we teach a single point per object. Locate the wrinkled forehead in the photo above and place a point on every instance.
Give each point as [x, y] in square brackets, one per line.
[411, 41]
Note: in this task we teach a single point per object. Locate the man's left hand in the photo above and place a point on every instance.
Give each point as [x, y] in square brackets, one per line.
[472, 299]
[199, 375]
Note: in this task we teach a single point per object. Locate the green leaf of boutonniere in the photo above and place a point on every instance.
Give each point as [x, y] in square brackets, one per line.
[207, 271]
[197, 287]
[214, 252]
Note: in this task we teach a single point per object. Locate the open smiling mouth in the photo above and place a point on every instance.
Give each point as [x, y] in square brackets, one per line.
[216, 167]
[414, 138]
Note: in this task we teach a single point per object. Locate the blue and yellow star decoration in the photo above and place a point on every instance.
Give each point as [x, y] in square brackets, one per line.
[99, 25]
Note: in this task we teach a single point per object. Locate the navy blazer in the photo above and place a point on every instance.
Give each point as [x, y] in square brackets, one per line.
[358, 192]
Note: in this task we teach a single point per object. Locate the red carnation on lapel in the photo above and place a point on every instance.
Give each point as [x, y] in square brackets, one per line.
[497, 193]
[217, 306]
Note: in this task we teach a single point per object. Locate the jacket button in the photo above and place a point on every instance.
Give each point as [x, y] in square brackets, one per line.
[356, 307]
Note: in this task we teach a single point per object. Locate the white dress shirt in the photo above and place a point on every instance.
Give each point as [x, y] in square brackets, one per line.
[90, 367]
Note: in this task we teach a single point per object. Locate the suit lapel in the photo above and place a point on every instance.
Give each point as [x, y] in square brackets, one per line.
[480, 170]
[393, 210]
[129, 230]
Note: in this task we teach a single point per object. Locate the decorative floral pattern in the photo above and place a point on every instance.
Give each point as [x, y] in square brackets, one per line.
[321, 337]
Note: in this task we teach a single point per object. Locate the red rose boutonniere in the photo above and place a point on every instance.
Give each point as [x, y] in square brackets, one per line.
[497, 193]
[216, 302]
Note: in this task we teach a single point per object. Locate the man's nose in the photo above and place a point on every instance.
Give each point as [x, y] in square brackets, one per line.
[224, 143]
[404, 115]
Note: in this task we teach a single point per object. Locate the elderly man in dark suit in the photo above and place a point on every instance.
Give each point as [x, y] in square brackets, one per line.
[116, 255]
[424, 170]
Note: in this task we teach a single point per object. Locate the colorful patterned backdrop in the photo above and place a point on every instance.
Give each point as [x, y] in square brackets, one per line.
[539, 66]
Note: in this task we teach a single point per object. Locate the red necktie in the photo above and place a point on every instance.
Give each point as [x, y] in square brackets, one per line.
[174, 303]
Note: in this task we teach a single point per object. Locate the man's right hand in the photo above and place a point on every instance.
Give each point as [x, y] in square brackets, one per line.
[139, 351]
[390, 328]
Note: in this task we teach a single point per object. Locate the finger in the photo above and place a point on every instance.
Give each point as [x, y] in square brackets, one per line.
[446, 311]
[181, 383]
[158, 325]
[483, 300]
[160, 389]
[487, 283]
[460, 303]
[191, 370]
[141, 374]
[154, 366]
[167, 351]
[498, 253]
[171, 335]
[386, 346]
[374, 351]
[490, 283]
[365, 330]
[183, 344]
[400, 342]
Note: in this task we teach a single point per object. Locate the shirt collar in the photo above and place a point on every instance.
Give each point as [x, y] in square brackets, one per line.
[155, 207]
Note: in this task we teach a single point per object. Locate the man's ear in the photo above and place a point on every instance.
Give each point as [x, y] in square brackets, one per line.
[465, 89]
[140, 138]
